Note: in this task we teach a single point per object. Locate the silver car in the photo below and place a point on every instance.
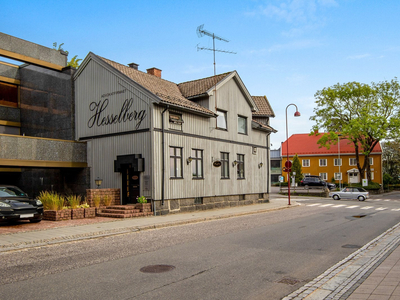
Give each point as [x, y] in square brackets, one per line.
[350, 193]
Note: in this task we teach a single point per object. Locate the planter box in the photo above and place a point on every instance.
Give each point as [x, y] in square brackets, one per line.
[90, 212]
[144, 207]
[77, 213]
[57, 215]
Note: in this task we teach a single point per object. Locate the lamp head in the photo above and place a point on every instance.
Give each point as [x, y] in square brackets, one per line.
[297, 113]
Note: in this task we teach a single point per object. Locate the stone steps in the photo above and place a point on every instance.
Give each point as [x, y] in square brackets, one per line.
[125, 211]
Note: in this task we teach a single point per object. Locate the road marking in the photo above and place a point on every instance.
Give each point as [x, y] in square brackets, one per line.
[395, 209]
[339, 205]
[381, 208]
[353, 206]
[367, 207]
[315, 204]
[325, 205]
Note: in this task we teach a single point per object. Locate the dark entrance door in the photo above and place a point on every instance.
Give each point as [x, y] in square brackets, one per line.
[131, 186]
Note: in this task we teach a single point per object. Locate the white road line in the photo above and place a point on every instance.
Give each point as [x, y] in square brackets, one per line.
[339, 205]
[315, 204]
[395, 209]
[367, 207]
[381, 208]
[353, 206]
[325, 205]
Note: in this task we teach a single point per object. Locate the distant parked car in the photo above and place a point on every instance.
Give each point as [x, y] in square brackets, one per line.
[350, 193]
[16, 205]
[310, 181]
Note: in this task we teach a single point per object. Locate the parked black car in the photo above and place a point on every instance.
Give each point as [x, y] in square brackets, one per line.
[314, 181]
[16, 205]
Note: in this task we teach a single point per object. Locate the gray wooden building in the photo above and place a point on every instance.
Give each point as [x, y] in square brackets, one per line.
[195, 145]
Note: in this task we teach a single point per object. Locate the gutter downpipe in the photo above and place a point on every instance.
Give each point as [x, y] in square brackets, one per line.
[163, 154]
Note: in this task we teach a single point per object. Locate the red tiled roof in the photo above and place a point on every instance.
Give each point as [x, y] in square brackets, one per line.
[167, 91]
[304, 144]
[264, 108]
[199, 87]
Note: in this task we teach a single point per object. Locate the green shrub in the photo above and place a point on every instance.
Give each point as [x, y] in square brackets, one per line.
[74, 201]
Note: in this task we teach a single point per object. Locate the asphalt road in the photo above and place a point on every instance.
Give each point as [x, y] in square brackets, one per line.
[262, 256]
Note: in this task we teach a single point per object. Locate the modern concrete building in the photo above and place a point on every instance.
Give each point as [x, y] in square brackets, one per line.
[38, 150]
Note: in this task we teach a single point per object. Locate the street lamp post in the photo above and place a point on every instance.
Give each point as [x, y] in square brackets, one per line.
[296, 114]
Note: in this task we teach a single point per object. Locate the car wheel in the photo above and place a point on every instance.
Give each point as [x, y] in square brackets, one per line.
[35, 220]
[336, 197]
[361, 198]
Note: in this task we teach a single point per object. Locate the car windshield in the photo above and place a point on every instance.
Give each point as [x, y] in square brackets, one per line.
[11, 192]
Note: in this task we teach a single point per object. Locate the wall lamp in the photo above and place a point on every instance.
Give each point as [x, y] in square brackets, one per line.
[234, 163]
[98, 181]
[260, 165]
[189, 160]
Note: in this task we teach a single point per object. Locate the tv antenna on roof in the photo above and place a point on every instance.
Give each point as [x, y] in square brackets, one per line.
[200, 33]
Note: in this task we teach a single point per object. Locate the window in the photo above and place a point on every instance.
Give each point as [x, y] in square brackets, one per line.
[242, 125]
[221, 120]
[352, 162]
[197, 163]
[337, 161]
[225, 165]
[322, 162]
[8, 94]
[305, 162]
[338, 176]
[175, 162]
[240, 166]
[324, 176]
[371, 161]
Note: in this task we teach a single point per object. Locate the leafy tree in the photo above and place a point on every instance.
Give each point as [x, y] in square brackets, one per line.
[364, 114]
[296, 167]
[391, 160]
[74, 62]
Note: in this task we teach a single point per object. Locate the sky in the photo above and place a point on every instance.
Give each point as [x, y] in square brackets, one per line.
[286, 50]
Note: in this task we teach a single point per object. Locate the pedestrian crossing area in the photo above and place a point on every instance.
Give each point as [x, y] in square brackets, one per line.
[363, 206]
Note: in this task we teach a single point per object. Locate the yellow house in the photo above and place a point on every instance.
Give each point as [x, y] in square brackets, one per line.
[336, 164]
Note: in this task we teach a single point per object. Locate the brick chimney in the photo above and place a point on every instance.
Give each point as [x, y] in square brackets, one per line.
[154, 71]
[133, 66]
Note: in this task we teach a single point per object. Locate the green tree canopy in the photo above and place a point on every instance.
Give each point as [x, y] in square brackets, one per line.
[296, 167]
[364, 114]
[391, 159]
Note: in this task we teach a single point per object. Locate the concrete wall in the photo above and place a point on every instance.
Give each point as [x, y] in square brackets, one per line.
[28, 50]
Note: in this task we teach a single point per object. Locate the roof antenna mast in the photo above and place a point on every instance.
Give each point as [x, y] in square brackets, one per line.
[200, 33]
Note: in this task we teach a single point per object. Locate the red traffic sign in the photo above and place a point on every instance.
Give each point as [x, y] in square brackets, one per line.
[288, 164]
[287, 170]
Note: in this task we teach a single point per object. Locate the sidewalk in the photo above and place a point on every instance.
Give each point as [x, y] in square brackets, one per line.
[372, 272]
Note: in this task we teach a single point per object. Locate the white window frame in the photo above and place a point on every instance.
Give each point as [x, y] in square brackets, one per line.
[324, 176]
[243, 119]
[337, 162]
[323, 165]
[305, 163]
[306, 174]
[338, 176]
[371, 161]
[351, 159]
[222, 120]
